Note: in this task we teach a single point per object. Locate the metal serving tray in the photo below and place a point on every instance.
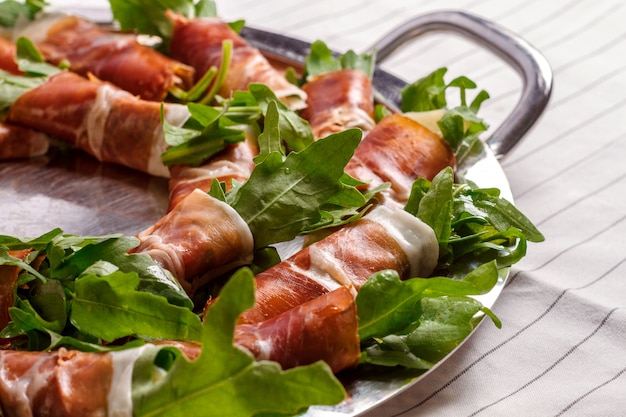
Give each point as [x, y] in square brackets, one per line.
[73, 191]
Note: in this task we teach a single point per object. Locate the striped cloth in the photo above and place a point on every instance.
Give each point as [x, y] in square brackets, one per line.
[562, 348]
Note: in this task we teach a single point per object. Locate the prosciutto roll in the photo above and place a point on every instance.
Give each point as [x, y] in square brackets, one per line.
[399, 150]
[337, 101]
[383, 239]
[198, 42]
[103, 120]
[67, 383]
[7, 57]
[324, 328]
[198, 240]
[21, 142]
[233, 163]
[111, 56]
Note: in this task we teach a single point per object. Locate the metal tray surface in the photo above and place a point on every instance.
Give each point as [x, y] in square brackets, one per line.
[73, 191]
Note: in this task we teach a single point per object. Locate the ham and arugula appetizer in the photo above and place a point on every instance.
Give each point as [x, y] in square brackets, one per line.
[198, 311]
[88, 48]
[99, 112]
[194, 35]
[339, 91]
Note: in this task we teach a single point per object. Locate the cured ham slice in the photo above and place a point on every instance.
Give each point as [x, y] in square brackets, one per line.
[198, 42]
[339, 100]
[111, 56]
[103, 120]
[235, 162]
[7, 57]
[383, 239]
[198, 240]
[71, 383]
[324, 328]
[399, 150]
[21, 142]
[67, 383]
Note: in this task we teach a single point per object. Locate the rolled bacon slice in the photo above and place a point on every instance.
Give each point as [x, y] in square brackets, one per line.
[109, 55]
[7, 57]
[198, 240]
[101, 119]
[383, 239]
[339, 100]
[399, 150]
[324, 328]
[20, 142]
[235, 162]
[198, 42]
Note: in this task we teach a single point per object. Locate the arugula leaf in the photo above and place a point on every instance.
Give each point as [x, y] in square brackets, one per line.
[425, 94]
[152, 277]
[110, 307]
[321, 60]
[206, 133]
[283, 194]
[13, 86]
[293, 129]
[30, 60]
[472, 225]
[36, 72]
[387, 305]
[225, 380]
[442, 323]
[40, 337]
[460, 126]
[148, 16]
[87, 286]
[11, 11]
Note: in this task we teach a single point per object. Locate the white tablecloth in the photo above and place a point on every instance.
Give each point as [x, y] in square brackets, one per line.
[562, 347]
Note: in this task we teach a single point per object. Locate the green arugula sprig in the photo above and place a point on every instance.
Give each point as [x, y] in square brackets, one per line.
[148, 17]
[473, 225]
[283, 195]
[36, 72]
[460, 125]
[416, 322]
[12, 10]
[89, 290]
[321, 60]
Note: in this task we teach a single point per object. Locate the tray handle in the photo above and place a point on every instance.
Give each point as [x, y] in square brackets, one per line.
[532, 67]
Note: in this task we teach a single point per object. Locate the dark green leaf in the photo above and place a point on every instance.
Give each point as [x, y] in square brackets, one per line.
[387, 305]
[293, 130]
[110, 307]
[427, 93]
[282, 197]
